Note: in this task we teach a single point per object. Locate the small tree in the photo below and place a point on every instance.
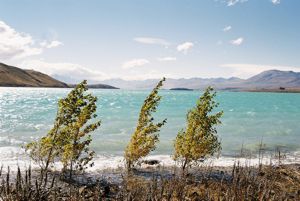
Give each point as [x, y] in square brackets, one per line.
[68, 141]
[145, 136]
[199, 140]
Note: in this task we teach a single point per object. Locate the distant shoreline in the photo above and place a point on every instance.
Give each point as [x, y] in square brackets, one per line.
[292, 90]
[275, 90]
[60, 87]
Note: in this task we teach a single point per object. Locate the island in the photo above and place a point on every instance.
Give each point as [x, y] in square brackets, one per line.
[181, 89]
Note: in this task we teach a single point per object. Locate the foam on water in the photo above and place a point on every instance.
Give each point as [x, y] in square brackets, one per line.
[112, 162]
[15, 157]
[7, 140]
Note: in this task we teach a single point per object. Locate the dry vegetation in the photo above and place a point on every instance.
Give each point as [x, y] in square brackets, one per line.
[240, 183]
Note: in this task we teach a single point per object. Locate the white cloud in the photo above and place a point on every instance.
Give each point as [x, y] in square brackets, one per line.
[52, 44]
[15, 44]
[152, 41]
[275, 2]
[233, 2]
[237, 41]
[185, 47]
[135, 63]
[227, 28]
[74, 73]
[68, 72]
[247, 70]
[167, 59]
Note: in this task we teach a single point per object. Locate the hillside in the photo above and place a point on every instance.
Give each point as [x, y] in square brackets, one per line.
[15, 77]
[11, 76]
[273, 78]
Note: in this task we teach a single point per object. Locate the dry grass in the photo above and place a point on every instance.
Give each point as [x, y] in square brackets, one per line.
[29, 186]
[242, 183]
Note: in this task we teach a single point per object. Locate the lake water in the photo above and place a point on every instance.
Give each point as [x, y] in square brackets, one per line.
[249, 118]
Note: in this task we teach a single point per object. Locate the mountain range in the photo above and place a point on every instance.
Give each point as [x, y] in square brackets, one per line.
[271, 80]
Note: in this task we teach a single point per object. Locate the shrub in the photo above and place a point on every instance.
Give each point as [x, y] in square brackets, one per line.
[69, 139]
[199, 140]
[145, 136]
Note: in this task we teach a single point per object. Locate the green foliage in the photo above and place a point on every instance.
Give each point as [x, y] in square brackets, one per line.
[199, 140]
[145, 136]
[68, 141]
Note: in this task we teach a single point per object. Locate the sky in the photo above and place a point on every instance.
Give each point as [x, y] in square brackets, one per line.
[145, 39]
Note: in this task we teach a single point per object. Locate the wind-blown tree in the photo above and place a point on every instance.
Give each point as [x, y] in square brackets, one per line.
[199, 140]
[145, 136]
[69, 139]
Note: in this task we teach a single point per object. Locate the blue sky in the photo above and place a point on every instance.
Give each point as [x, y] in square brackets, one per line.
[141, 39]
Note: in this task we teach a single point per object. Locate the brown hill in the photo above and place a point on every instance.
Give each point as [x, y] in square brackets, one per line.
[15, 77]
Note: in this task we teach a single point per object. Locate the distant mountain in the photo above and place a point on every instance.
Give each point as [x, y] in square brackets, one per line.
[192, 83]
[275, 78]
[11, 76]
[271, 80]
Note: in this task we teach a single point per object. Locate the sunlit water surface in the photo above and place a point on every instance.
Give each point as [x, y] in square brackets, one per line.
[26, 114]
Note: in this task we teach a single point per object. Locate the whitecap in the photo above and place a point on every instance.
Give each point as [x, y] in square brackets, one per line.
[9, 140]
[39, 126]
[11, 152]
[251, 113]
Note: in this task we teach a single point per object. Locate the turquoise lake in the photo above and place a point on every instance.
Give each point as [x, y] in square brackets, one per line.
[249, 118]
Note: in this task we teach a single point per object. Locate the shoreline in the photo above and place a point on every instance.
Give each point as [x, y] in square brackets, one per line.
[108, 179]
[292, 90]
[16, 156]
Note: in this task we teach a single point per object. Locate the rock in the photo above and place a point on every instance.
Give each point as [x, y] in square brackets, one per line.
[151, 162]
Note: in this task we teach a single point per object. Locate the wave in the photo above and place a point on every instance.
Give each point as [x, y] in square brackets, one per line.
[10, 141]
[14, 157]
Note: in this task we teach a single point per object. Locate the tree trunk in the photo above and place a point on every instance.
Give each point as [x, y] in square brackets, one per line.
[75, 142]
[45, 170]
[184, 166]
